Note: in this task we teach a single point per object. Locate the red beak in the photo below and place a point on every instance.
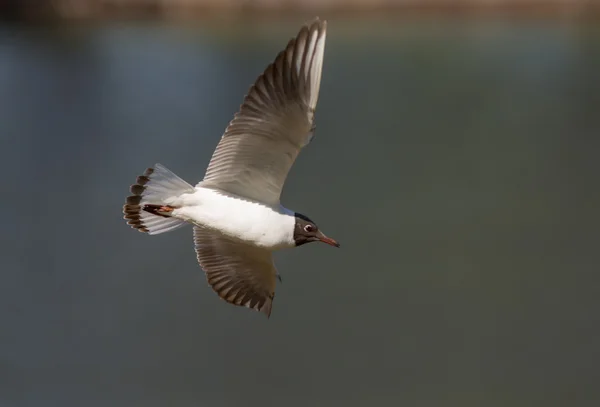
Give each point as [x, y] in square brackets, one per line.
[327, 240]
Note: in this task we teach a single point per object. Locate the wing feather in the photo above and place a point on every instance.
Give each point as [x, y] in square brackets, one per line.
[274, 122]
[241, 274]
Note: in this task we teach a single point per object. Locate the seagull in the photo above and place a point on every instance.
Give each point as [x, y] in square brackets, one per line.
[235, 210]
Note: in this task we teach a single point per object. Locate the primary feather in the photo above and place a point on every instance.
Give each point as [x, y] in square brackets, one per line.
[275, 121]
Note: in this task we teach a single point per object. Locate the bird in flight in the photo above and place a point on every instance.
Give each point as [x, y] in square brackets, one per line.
[235, 210]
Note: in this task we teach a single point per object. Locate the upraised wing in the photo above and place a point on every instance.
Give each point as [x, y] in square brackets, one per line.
[275, 121]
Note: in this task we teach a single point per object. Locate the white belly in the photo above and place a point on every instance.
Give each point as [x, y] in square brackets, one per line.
[249, 221]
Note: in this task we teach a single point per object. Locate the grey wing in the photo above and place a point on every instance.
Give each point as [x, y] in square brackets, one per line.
[275, 121]
[239, 273]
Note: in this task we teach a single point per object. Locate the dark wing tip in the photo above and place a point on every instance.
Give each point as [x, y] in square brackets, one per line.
[243, 295]
[266, 309]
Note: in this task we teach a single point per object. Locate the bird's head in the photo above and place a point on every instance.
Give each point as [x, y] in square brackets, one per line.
[306, 231]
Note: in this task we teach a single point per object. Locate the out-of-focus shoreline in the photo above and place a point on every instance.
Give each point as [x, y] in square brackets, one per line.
[30, 10]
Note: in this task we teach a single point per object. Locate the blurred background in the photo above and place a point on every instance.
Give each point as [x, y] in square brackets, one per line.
[455, 159]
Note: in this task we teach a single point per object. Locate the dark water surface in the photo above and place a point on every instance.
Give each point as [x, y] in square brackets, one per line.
[456, 162]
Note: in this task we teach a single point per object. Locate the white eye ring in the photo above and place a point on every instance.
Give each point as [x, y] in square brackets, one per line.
[308, 228]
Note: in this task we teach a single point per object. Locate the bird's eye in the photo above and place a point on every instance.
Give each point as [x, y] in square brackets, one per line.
[309, 228]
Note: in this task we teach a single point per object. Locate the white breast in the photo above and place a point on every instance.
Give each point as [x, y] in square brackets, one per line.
[250, 221]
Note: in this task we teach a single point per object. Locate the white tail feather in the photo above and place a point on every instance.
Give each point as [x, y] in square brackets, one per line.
[157, 187]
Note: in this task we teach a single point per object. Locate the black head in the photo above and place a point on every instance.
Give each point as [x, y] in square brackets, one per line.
[306, 231]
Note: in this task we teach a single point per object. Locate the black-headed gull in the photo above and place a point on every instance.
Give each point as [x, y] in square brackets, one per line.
[237, 217]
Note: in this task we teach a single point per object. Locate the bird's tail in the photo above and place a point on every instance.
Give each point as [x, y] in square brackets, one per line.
[147, 210]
